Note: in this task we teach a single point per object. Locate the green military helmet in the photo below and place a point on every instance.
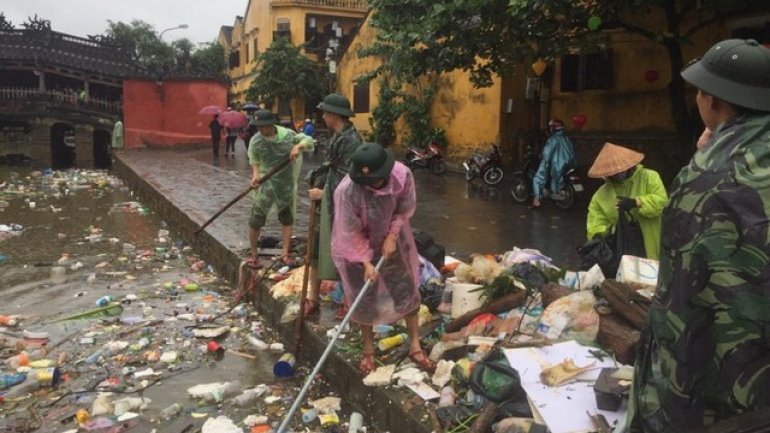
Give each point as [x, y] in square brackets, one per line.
[736, 71]
[371, 163]
[263, 118]
[336, 103]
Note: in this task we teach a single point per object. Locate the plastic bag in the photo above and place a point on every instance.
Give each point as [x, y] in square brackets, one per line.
[495, 379]
[599, 251]
[572, 316]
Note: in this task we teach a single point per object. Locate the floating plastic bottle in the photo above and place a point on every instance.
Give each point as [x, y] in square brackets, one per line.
[94, 357]
[141, 344]
[309, 415]
[171, 411]
[9, 380]
[258, 343]
[250, 396]
[42, 363]
[104, 301]
[35, 381]
[219, 395]
[17, 361]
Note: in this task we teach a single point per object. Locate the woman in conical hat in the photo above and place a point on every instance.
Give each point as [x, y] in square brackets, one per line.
[627, 186]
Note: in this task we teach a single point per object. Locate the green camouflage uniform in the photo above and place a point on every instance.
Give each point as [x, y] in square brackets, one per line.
[339, 150]
[280, 191]
[705, 354]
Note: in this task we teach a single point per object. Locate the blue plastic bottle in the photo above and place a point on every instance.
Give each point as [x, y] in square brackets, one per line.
[9, 380]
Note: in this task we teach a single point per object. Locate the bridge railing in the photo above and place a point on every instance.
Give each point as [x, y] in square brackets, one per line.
[65, 99]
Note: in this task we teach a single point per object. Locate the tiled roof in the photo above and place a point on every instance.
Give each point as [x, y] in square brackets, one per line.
[54, 48]
[228, 31]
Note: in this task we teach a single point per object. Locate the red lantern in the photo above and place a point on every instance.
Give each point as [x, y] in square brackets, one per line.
[578, 121]
[651, 76]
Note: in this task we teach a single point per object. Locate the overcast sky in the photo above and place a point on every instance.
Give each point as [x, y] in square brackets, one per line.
[89, 17]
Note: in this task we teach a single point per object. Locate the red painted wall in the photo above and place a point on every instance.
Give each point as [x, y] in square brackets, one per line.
[167, 114]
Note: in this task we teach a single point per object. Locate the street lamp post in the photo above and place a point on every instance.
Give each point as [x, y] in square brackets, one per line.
[180, 26]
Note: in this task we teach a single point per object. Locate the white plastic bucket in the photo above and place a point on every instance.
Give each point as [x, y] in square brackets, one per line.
[463, 300]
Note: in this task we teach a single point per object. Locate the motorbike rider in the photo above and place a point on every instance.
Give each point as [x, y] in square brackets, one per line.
[558, 156]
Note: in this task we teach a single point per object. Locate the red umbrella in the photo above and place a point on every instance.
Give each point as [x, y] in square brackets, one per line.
[233, 119]
[210, 110]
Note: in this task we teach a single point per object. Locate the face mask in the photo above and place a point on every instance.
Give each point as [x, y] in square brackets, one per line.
[620, 177]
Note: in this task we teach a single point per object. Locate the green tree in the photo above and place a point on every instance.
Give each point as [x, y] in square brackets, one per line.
[284, 73]
[148, 51]
[209, 58]
[487, 37]
[159, 58]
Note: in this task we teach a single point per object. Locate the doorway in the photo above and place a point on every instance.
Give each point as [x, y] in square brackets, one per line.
[101, 154]
[62, 146]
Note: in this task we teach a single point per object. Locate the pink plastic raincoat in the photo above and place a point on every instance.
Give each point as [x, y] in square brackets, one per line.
[363, 216]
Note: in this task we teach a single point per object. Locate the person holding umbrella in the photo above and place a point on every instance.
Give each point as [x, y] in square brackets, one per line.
[323, 182]
[216, 134]
[372, 208]
[269, 147]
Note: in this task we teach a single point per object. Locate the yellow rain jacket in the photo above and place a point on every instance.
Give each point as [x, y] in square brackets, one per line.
[644, 184]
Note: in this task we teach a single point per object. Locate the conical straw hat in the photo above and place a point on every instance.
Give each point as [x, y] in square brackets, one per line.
[614, 159]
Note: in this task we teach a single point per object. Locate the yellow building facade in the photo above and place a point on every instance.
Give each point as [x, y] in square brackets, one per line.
[469, 116]
[308, 23]
[621, 93]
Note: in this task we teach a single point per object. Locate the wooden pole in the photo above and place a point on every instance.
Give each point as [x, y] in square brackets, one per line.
[305, 277]
[278, 167]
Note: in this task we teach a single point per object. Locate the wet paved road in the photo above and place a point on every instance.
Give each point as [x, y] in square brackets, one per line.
[465, 217]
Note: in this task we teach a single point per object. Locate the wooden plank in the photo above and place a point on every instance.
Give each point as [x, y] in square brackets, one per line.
[625, 301]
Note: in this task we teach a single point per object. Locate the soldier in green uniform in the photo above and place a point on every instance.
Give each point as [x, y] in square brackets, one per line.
[336, 115]
[271, 145]
[705, 353]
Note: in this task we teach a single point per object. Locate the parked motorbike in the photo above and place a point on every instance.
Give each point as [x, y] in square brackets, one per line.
[430, 157]
[521, 188]
[489, 166]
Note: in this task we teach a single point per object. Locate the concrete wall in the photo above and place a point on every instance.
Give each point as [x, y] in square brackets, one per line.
[166, 113]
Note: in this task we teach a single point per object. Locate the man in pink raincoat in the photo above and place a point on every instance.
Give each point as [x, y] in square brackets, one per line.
[372, 207]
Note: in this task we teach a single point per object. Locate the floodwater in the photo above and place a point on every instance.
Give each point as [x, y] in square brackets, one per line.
[109, 245]
[473, 218]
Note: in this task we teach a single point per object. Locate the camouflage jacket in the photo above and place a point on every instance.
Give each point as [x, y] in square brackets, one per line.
[339, 150]
[705, 354]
